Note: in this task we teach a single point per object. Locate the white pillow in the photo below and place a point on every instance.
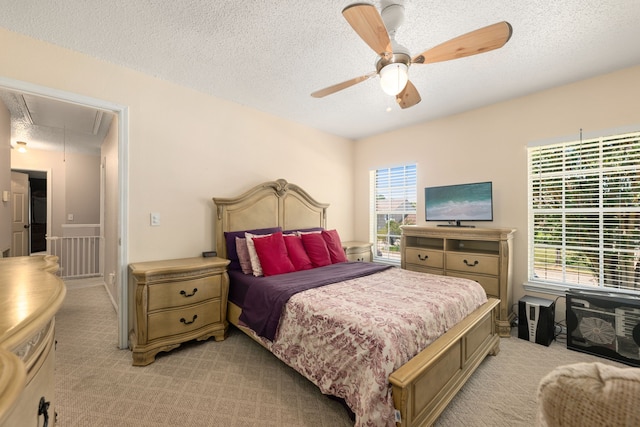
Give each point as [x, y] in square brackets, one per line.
[255, 261]
[300, 233]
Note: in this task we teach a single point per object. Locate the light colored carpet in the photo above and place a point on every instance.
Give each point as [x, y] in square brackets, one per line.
[238, 383]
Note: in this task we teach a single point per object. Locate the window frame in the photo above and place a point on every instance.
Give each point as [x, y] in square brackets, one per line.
[568, 165]
[406, 185]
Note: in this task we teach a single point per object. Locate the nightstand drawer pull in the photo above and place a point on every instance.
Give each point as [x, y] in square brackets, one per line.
[186, 295]
[186, 322]
[423, 257]
[468, 264]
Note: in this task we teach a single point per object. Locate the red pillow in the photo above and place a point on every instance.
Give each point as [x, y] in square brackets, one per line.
[316, 248]
[297, 254]
[272, 254]
[332, 239]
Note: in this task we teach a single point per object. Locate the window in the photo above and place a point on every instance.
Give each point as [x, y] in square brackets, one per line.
[393, 203]
[584, 213]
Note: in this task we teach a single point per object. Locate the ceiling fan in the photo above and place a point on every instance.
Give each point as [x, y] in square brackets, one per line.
[393, 61]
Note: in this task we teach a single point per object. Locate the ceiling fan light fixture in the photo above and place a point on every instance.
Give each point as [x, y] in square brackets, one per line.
[393, 78]
[22, 146]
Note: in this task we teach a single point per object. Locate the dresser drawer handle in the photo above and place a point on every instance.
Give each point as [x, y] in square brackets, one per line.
[469, 264]
[186, 322]
[423, 257]
[186, 295]
[43, 409]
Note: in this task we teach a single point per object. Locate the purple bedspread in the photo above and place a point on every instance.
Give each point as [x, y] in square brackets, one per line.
[263, 304]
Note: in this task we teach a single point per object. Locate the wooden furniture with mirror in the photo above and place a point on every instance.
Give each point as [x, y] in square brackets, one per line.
[30, 296]
[174, 301]
[480, 254]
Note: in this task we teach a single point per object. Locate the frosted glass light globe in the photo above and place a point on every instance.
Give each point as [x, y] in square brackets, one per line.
[393, 78]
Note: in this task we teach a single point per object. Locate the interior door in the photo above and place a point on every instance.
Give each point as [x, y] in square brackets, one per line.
[20, 214]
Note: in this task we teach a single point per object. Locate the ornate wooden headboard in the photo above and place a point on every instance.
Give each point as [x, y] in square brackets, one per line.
[270, 204]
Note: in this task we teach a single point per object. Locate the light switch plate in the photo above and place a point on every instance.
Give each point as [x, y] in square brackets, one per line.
[155, 219]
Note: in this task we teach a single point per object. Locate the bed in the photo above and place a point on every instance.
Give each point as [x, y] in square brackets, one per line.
[416, 390]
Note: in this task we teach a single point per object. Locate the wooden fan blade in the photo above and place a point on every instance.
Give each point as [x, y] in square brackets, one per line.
[409, 96]
[367, 22]
[478, 41]
[337, 87]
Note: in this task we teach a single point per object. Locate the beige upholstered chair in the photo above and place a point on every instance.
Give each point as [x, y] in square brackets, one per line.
[589, 394]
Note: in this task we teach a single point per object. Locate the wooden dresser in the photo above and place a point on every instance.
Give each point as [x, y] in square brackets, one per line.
[357, 251]
[480, 254]
[30, 296]
[174, 301]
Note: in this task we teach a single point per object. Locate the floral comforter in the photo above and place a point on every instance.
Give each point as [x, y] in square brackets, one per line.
[348, 337]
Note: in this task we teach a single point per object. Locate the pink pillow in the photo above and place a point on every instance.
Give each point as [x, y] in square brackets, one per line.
[272, 253]
[332, 239]
[243, 255]
[316, 248]
[297, 254]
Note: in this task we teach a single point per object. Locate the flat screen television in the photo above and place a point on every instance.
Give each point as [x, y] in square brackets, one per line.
[460, 202]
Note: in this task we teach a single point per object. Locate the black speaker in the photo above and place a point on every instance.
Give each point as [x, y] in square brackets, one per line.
[536, 319]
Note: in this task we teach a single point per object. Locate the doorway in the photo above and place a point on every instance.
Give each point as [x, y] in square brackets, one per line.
[38, 206]
[37, 213]
[116, 239]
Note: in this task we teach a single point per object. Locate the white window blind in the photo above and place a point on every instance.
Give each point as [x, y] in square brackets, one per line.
[393, 203]
[584, 213]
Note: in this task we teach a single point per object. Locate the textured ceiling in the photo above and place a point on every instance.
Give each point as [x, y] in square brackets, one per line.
[271, 55]
[49, 124]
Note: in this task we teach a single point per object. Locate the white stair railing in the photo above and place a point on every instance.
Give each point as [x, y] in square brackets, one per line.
[78, 256]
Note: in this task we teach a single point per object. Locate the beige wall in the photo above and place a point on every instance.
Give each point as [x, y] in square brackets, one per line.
[489, 144]
[83, 188]
[5, 178]
[186, 147]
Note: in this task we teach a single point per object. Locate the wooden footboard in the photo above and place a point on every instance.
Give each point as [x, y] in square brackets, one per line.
[425, 385]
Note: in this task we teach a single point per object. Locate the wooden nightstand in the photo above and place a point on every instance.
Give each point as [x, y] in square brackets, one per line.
[174, 301]
[357, 251]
